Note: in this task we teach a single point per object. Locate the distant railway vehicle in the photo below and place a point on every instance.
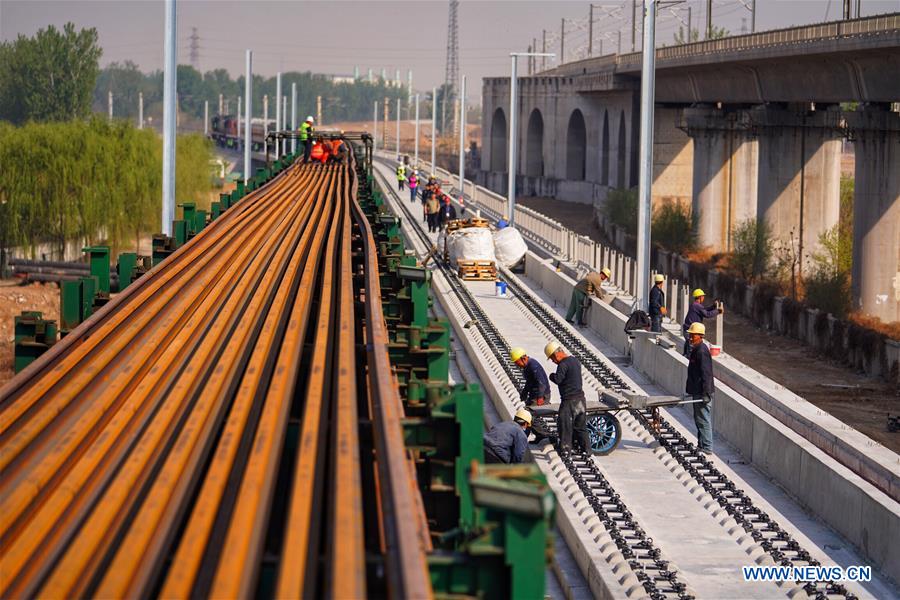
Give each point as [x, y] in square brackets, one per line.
[224, 132]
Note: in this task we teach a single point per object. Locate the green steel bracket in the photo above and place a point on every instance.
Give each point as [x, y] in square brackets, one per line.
[127, 268]
[163, 246]
[33, 336]
[224, 202]
[179, 228]
[239, 190]
[199, 222]
[88, 291]
[98, 257]
[188, 212]
[70, 307]
[215, 209]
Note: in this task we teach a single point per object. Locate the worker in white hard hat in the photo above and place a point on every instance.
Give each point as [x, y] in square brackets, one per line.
[537, 386]
[700, 385]
[696, 313]
[306, 137]
[590, 284]
[507, 441]
[657, 307]
[572, 415]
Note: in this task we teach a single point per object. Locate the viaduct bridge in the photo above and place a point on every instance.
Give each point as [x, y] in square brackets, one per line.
[746, 126]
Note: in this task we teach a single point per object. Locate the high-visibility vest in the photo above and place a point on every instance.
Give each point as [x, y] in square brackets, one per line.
[401, 173]
[305, 131]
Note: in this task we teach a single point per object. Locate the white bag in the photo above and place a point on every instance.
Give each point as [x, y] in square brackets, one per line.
[509, 247]
[470, 243]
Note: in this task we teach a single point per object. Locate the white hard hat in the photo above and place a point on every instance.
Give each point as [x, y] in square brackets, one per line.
[310, 119]
[523, 415]
[551, 348]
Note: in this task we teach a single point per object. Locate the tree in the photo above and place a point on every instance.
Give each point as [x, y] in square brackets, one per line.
[715, 34]
[752, 249]
[49, 77]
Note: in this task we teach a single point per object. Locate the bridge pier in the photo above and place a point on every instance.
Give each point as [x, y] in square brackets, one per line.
[799, 175]
[876, 212]
[724, 186]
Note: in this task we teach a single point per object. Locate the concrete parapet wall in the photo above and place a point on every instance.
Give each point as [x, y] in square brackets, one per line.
[864, 515]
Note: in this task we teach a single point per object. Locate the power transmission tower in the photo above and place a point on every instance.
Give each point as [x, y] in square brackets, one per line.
[451, 74]
[195, 48]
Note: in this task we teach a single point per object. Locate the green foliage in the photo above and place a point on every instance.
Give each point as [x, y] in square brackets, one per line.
[340, 101]
[672, 227]
[89, 180]
[829, 291]
[622, 208]
[49, 77]
[680, 36]
[752, 249]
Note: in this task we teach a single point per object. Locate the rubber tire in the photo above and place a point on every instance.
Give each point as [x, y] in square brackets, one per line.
[616, 427]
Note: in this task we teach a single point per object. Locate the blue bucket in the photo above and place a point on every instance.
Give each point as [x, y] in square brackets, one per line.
[500, 287]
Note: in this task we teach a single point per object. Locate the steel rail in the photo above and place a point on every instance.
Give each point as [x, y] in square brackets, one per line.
[145, 454]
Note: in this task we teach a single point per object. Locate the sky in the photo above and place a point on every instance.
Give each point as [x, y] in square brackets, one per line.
[335, 36]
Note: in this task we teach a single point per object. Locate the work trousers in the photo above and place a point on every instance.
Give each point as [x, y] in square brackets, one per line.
[572, 421]
[656, 323]
[490, 458]
[433, 222]
[307, 149]
[703, 421]
[575, 306]
[412, 193]
[400, 183]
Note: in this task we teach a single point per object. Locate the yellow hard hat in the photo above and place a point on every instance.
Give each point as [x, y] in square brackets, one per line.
[659, 277]
[524, 415]
[516, 353]
[698, 328]
[551, 348]
[606, 272]
[698, 292]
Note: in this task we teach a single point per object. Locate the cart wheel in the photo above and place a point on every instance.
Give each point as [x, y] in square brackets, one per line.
[605, 433]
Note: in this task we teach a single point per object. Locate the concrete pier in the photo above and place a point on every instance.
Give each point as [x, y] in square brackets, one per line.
[799, 175]
[876, 212]
[724, 187]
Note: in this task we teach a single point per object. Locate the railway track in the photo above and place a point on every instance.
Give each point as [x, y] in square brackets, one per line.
[200, 434]
[644, 558]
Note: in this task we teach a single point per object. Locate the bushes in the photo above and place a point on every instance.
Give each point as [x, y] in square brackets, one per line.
[673, 229]
[622, 209]
[752, 249]
[89, 180]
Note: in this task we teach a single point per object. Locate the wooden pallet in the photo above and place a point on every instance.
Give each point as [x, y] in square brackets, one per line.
[477, 270]
[463, 223]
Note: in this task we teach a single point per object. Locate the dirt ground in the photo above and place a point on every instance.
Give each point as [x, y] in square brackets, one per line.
[15, 298]
[865, 405]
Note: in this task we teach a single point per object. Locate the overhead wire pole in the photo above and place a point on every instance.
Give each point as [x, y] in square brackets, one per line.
[279, 125]
[266, 118]
[140, 110]
[248, 113]
[398, 128]
[433, 125]
[513, 135]
[709, 24]
[645, 178]
[169, 100]
[416, 160]
[293, 116]
[206, 117]
[375, 130]
[462, 139]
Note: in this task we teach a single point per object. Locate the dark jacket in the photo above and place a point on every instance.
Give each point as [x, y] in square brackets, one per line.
[536, 384]
[568, 378]
[507, 440]
[657, 301]
[696, 314]
[700, 372]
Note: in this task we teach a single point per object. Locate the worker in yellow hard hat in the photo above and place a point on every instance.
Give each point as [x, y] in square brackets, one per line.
[572, 415]
[590, 284]
[537, 386]
[696, 313]
[700, 385]
[507, 441]
[657, 304]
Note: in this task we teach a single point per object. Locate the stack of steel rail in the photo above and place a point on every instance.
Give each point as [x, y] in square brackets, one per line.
[200, 435]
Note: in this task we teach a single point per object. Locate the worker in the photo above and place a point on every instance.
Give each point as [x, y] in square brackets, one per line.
[507, 441]
[572, 415]
[537, 387]
[306, 137]
[339, 147]
[448, 213]
[700, 385]
[432, 212]
[445, 209]
[327, 150]
[696, 313]
[503, 222]
[590, 284]
[413, 182]
[401, 176]
[657, 303]
[317, 152]
[426, 194]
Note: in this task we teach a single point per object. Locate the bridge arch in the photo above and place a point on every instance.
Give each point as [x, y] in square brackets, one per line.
[621, 153]
[576, 146]
[498, 141]
[604, 150]
[534, 145]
